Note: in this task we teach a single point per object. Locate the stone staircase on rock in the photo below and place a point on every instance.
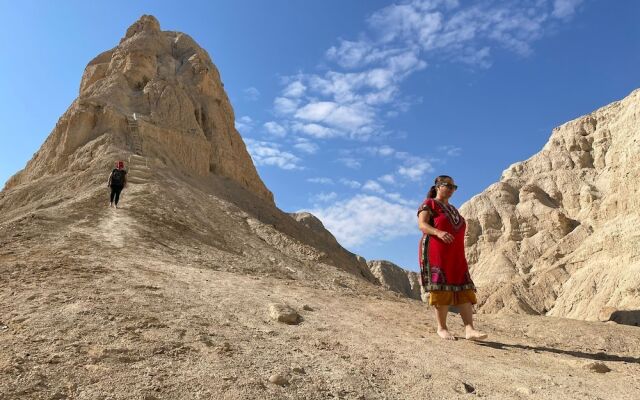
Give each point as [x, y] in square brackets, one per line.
[139, 171]
[132, 121]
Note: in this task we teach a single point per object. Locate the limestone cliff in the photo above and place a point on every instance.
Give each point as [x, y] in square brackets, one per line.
[557, 235]
[397, 279]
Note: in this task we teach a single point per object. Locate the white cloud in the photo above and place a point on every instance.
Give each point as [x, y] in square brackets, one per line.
[316, 111]
[306, 146]
[275, 129]
[382, 151]
[397, 197]
[565, 8]
[351, 183]
[436, 26]
[324, 197]
[472, 56]
[364, 218]
[349, 54]
[350, 162]
[355, 118]
[268, 153]
[316, 130]
[294, 89]
[451, 151]
[323, 181]
[283, 105]
[373, 186]
[388, 179]
[244, 124]
[251, 94]
[415, 168]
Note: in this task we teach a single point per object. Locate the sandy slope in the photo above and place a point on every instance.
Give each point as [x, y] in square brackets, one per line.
[158, 301]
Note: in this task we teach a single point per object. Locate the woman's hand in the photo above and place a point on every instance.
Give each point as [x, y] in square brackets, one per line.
[445, 237]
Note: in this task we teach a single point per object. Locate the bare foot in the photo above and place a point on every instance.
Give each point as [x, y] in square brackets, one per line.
[443, 333]
[472, 334]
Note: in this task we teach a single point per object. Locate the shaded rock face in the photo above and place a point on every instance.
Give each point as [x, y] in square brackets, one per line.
[557, 235]
[397, 279]
[171, 85]
[311, 230]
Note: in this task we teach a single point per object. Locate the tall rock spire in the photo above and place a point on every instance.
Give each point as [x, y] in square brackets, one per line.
[184, 117]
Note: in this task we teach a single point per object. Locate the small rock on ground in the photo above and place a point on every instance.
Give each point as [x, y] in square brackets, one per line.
[598, 367]
[278, 379]
[525, 390]
[464, 387]
[284, 313]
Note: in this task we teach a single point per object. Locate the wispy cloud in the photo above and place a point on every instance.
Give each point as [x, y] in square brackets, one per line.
[450, 151]
[365, 218]
[306, 146]
[322, 180]
[294, 89]
[388, 179]
[244, 124]
[565, 9]
[324, 197]
[285, 105]
[251, 94]
[350, 162]
[269, 153]
[275, 129]
[373, 186]
[350, 183]
[315, 130]
[415, 168]
[381, 151]
[353, 99]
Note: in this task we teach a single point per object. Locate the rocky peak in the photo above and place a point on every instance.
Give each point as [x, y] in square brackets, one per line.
[146, 23]
[168, 86]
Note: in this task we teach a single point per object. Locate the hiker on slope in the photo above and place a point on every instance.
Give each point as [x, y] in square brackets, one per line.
[117, 182]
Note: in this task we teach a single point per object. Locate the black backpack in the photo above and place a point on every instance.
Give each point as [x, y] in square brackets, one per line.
[117, 177]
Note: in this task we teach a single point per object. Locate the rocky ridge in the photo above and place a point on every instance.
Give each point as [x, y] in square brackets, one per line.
[397, 279]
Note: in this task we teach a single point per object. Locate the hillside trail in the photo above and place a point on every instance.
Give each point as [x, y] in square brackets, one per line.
[116, 226]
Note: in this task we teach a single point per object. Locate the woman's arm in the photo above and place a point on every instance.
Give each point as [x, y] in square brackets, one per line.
[109, 180]
[423, 224]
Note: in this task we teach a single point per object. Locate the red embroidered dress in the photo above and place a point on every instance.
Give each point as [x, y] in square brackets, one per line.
[444, 266]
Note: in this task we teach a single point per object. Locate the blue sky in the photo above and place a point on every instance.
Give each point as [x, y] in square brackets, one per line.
[350, 108]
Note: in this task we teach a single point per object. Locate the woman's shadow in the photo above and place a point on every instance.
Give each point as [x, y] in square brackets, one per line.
[600, 356]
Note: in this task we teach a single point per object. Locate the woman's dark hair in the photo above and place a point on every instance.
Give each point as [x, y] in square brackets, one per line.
[433, 191]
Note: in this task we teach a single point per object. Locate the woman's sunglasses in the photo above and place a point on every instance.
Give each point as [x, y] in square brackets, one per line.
[449, 185]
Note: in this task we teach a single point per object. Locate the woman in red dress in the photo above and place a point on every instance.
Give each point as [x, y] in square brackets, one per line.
[444, 272]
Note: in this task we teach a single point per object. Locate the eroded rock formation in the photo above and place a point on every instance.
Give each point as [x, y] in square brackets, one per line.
[395, 278]
[557, 235]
